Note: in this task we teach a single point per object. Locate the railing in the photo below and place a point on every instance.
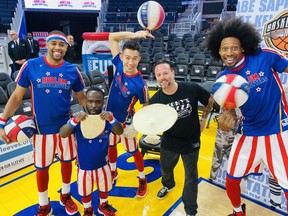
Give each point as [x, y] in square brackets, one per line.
[127, 21]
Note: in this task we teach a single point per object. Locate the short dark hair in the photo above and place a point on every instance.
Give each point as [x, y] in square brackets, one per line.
[132, 45]
[95, 89]
[171, 64]
[247, 34]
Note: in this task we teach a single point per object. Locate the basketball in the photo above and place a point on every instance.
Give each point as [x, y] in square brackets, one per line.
[151, 15]
[230, 91]
[20, 128]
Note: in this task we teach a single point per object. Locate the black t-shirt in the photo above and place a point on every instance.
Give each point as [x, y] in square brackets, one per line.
[184, 135]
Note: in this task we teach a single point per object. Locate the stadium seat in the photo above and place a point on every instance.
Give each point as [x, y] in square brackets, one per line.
[144, 65]
[3, 99]
[182, 67]
[25, 107]
[97, 80]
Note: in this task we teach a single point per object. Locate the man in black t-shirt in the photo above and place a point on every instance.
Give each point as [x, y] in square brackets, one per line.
[183, 138]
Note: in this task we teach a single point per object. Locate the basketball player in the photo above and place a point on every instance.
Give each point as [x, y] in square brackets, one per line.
[183, 138]
[262, 136]
[126, 89]
[92, 153]
[51, 80]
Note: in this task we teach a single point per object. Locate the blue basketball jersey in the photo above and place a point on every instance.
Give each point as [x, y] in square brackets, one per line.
[125, 91]
[51, 88]
[265, 111]
[92, 153]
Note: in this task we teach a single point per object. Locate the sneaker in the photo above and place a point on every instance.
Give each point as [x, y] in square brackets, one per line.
[105, 209]
[44, 210]
[114, 175]
[243, 213]
[142, 189]
[274, 205]
[70, 206]
[163, 192]
[88, 212]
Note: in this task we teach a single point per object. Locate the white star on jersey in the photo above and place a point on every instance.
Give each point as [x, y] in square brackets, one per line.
[47, 73]
[261, 73]
[258, 89]
[248, 72]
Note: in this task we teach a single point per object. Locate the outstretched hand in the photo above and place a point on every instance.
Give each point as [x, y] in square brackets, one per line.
[143, 34]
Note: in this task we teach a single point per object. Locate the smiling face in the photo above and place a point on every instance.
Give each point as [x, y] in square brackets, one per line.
[164, 75]
[56, 51]
[231, 51]
[130, 59]
[94, 102]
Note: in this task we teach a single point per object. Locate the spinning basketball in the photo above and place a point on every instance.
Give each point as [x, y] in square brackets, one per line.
[151, 15]
[20, 128]
[230, 91]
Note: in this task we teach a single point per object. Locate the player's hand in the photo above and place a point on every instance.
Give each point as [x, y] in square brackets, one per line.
[4, 137]
[143, 34]
[227, 120]
[81, 116]
[105, 115]
[202, 124]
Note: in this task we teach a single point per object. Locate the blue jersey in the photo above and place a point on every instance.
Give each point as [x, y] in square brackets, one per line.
[51, 88]
[92, 153]
[265, 111]
[125, 91]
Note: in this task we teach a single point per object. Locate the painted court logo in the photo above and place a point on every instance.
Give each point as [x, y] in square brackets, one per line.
[276, 32]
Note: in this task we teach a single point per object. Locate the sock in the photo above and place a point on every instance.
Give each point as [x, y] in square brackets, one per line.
[43, 198]
[239, 209]
[65, 188]
[103, 197]
[112, 154]
[139, 162]
[113, 166]
[233, 191]
[87, 201]
[142, 175]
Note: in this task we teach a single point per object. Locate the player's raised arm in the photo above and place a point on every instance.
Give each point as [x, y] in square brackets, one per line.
[116, 37]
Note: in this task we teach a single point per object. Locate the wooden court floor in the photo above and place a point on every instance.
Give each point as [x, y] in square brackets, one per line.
[18, 193]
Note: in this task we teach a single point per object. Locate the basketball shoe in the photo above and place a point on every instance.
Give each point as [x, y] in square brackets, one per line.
[105, 209]
[70, 206]
[44, 210]
[142, 189]
[88, 212]
[243, 213]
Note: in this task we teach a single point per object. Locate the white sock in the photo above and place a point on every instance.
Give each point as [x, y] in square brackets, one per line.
[103, 200]
[87, 205]
[142, 175]
[113, 166]
[65, 188]
[43, 198]
[239, 209]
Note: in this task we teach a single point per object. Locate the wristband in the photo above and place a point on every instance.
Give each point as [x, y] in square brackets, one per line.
[112, 121]
[2, 122]
[73, 122]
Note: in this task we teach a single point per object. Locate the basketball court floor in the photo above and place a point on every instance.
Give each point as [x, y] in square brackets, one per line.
[18, 193]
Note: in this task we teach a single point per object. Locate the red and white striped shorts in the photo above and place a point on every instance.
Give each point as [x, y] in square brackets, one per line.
[86, 178]
[130, 144]
[250, 153]
[45, 147]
